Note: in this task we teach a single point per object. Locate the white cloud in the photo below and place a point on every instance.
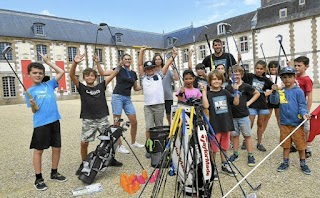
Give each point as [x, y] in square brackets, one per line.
[46, 12]
[250, 2]
[211, 19]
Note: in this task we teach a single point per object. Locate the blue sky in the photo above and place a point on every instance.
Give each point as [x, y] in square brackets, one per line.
[146, 15]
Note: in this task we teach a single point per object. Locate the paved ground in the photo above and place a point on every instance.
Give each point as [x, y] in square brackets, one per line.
[17, 177]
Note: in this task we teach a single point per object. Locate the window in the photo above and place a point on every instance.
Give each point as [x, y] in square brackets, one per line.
[100, 78]
[3, 45]
[41, 49]
[185, 54]
[9, 87]
[72, 52]
[283, 13]
[302, 2]
[99, 54]
[202, 49]
[170, 41]
[73, 86]
[120, 54]
[38, 29]
[244, 44]
[223, 43]
[118, 37]
[220, 28]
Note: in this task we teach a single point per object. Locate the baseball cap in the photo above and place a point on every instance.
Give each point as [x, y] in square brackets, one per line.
[148, 64]
[287, 70]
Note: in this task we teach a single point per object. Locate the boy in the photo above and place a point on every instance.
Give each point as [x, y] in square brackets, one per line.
[151, 82]
[240, 115]
[46, 118]
[94, 108]
[301, 64]
[293, 108]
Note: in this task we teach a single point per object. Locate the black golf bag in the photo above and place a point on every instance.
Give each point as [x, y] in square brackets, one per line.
[99, 159]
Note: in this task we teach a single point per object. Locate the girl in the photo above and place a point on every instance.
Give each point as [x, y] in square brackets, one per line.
[188, 92]
[201, 77]
[219, 102]
[259, 108]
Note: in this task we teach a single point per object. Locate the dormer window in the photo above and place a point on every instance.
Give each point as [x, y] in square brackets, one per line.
[283, 13]
[38, 29]
[171, 41]
[118, 37]
[221, 28]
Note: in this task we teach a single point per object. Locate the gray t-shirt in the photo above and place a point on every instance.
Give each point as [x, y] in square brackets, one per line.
[167, 85]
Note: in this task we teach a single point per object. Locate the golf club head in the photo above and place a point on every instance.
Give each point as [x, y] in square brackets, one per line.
[102, 24]
[6, 50]
[279, 37]
[227, 26]
[261, 44]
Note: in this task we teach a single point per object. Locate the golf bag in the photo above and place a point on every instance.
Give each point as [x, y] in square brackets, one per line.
[99, 159]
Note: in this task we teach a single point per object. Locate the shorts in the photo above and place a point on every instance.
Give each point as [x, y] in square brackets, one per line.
[223, 140]
[253, 111]
[242, 125]
[273, 106]
[306, 126]
[45, 136]
[297, 137]
[91, 126]
[167, 104]
[153, 115]
[119, 102]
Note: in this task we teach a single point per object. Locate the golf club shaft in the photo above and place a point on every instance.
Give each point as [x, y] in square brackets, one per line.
[264, 57]
[284, 52]
[211, 61]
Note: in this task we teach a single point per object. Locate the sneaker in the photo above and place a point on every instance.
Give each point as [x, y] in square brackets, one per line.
[148, 155]
[233, 158]
[58, 177]
[40, 185]
[79, 169]
[305, 169]
[123, 149]
[215, 175]
[137, 145]
[227, 170]
[251, 161]
[243, 146]
[293, 149]
[283, 167]
[260, 147]
[308, 154]
[115, 163]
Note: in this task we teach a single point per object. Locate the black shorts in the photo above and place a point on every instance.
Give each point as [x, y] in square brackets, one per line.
[167, 105]
[45, 136]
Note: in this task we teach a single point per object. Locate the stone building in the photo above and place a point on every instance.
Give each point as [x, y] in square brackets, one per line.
[298, 21]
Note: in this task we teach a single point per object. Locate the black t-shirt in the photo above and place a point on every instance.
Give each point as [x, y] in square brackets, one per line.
[93, 101]
[224, 59]
[199, 80]
[261, 84]
[220, 110]
[125, 81]
[245, 92]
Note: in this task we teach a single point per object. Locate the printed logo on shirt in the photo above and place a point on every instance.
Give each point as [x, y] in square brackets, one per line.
[258, 85]
[220, 104]
[282, 96]
[93, 92]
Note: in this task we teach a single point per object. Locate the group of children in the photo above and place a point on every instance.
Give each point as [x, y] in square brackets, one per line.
[231, 107]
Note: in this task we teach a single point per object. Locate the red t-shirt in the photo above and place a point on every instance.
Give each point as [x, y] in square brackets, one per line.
[305, 83]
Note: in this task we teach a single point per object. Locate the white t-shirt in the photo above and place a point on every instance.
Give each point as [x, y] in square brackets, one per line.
[153, 89]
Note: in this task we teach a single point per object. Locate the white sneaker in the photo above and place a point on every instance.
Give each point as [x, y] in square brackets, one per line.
[123, 149]
[137, 145]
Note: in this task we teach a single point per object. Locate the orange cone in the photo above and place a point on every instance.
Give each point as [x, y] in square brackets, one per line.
[144, 175]
[130, 190]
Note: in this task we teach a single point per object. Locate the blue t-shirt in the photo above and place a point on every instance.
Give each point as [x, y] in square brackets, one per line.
[44, 96]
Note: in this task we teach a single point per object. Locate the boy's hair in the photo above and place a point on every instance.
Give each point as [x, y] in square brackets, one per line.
[154, 59]
[262, 63]
[216, 41]
[36, 65]
[272, 63]
[218, 74]
[87, 71]
[188, 72]
[237, 68]
[302, 59]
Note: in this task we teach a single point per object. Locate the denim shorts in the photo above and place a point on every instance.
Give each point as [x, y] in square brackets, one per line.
[242, 125]
[119, 102]
[253, 111]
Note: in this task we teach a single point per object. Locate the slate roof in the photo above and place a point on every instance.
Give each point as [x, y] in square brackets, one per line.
[269, 15]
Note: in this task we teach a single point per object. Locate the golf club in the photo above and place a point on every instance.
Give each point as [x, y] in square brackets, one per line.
[280, 41]
[4, 52]
[227, 28]
[211, 60]
[264, 57]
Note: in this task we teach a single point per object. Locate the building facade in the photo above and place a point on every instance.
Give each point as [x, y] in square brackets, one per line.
[297, 21]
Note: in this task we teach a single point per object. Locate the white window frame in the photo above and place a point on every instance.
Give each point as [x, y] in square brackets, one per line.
[283, 10]
[221, 29]
[223, 45]
[41, 49]
[244, 44]
[170, 41]
[38, 29]
[302, 2]
[202, 52]
[118, 37]
[99, 54]
[9, 87]
[185, 55]
[3, 45]
[72, 52]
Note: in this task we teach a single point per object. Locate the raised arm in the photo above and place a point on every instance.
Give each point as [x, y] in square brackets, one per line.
[140, 62]
[100, 70]
[77, 59]
[168, 63]
[56, 68]
[205, 101]
[112, 75]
